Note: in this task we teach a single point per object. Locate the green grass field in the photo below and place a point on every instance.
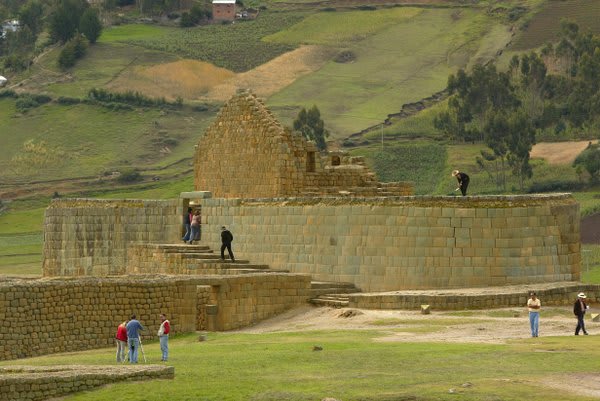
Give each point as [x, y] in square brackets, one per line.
[237, 47]
[404, 62]
[91, 140]
[353, 366]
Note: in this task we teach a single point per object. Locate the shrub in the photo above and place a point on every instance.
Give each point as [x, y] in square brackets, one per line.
[25, 103]
[8, 93]
[15, 63]
[186, 20]
[68, 100]
[555, 186]
[129, 176]
[73, 50]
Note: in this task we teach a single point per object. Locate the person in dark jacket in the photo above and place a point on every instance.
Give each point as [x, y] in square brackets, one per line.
[226, 239]
[187, 222]
[579, 309]
[463, 181]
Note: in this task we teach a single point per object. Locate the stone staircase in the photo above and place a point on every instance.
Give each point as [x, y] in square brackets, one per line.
[332, 294]
[186, 259]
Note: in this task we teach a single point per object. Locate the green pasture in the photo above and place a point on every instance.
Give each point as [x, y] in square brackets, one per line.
[90, 140]
[403, 63]
[341, 28]
[102, 63]
[237, 47]
[544, 26]
[352, 366]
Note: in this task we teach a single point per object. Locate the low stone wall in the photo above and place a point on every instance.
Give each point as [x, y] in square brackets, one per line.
[63, 315]
[393, 243]
[31, 383]
[552, 294]
[89, 237]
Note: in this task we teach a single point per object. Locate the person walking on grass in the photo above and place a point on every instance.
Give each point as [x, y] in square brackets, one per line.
[534, 305]
[121, 339]
[133, 338]
[163, 336]
[463, 181]
[226, 239]
[579, 309]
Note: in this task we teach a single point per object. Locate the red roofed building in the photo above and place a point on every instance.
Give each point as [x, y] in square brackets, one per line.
[223, 10]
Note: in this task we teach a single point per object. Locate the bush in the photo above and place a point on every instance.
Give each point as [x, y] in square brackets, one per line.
[556, 186]
[73, 50]
[186, 20]
[25, 103]
[68, 100]
[8, 93]
[129, 176]
[15, 63]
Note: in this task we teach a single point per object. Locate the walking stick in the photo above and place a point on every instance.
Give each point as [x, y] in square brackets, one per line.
[142, 348]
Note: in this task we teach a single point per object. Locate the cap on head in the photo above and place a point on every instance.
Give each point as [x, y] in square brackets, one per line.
[581, 295]
[223, 228]
[455, 173]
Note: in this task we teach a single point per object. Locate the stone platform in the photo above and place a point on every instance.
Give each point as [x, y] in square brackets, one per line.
[563, 293]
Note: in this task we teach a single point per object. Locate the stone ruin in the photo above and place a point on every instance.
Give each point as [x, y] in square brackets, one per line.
[296, 216]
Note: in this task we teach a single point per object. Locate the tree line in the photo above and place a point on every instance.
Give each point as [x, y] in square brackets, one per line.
[553, 94]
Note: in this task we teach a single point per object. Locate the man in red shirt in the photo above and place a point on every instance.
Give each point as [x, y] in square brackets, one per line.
[163, 336]
[121, 338]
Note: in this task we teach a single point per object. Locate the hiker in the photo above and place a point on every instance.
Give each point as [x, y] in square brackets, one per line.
[195, 225]
[226, 238]
[534, 305]
[163, 336]
[133, 338]
[121, 338]
[579, 309]
[187, 221]
[463, 181]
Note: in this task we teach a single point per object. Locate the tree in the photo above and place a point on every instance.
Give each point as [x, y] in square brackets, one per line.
[310, 125]
[73, 50]
[90, 25]
[31, 15]
[64, 21]
[590, 160]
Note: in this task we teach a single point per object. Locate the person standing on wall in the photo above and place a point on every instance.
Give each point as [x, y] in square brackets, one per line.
[121, 338]
[163, 336]
[579, 309]
[195, 225]
[226, 239]
[133, 338]
[463, 181]
[187, 221]
[534, 305]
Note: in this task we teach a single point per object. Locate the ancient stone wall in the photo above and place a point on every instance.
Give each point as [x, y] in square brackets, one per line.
[247, 153]
[62, 315]
[89, 237]
[33, 383]
[406, 242]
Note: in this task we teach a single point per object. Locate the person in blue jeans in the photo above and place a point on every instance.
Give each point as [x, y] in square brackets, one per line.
[187, 221]
[579, 309]
[534, 305]
[133, 338]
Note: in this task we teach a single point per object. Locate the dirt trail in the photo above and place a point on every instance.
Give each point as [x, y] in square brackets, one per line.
[559, 152]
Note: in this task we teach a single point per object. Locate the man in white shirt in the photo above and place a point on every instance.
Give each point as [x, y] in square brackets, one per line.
[534, 305]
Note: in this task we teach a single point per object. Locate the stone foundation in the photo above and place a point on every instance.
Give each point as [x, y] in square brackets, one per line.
[30, 383]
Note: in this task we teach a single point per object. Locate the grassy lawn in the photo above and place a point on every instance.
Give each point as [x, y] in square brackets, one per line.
[402, 63]
[352, 366]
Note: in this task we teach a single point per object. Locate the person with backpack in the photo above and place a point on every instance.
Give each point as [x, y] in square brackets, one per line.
[226, 239]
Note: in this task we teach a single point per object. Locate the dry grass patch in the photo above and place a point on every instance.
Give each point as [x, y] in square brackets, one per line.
[189, 79]
[274, 75]
[558, 152]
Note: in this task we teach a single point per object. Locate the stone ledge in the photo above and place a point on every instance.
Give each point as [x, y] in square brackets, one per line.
[32, 383]
[476, 298]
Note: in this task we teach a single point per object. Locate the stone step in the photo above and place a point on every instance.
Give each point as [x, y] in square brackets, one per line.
[182, 247]
[334, 297]
[218, 261]
[330, 303]
[332, 284]
[317, 292]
